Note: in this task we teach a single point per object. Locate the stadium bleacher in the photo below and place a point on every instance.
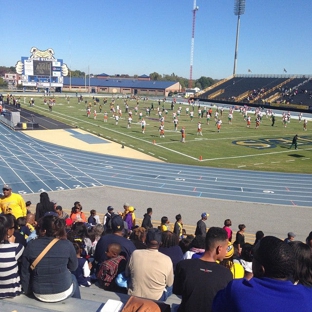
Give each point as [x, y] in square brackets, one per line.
[261, 89]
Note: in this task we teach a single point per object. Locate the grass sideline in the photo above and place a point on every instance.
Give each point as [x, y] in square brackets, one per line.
[236, 146]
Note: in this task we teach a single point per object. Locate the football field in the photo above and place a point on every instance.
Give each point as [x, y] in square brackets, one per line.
[235, 146]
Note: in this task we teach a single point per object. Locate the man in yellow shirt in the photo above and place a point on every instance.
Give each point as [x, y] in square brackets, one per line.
[12, 203]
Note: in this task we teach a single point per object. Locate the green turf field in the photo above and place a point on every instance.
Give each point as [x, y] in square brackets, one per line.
[235, 146]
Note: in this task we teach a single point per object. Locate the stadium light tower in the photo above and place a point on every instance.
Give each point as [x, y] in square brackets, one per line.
[195, 9]
[239, 9]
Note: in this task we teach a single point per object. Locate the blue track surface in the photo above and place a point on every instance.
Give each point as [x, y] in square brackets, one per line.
[32, 166]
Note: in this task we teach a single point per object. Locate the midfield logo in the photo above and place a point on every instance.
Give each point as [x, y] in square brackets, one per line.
[272, 143]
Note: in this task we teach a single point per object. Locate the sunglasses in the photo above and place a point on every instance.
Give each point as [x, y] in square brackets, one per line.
[5, 189]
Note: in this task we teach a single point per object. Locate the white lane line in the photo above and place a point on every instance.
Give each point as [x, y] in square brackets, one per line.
[40, 165]
[70, 165]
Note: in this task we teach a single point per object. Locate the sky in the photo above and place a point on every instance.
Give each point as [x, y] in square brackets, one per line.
[137, 37]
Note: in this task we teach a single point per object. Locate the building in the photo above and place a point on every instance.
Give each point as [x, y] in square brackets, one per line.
[116, 85]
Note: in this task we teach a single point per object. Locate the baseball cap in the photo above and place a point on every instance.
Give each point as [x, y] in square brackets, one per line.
[131, 209]
[7, 186]
[152, 236]
[204, 215]
[229, 251]
[50, 213]
[126, 204]
[117, 224]
[110, 208]
[291, 234]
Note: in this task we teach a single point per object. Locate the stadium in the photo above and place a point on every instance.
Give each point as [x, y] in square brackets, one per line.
[88, 143]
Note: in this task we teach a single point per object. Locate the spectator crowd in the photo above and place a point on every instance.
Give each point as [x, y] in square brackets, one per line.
[50, 254]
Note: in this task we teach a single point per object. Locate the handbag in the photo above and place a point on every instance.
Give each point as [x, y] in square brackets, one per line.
[43, 253]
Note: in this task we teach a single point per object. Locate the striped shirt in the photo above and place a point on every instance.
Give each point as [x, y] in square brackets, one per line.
[9, 278]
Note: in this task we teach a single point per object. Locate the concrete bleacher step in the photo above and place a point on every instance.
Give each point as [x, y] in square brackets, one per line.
[92, 299]
[23, 303]
[95, 293]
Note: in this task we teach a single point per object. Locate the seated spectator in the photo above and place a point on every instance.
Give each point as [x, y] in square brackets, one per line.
[83, 270]
[170, 247]
[27, 226]
[164, 224]
[151, 272]
[93, 218]
[10, 254]
[76, 214]
[138, 237]
[309, 240]
[199, 280]
[235, 267]
[129, 218]
[94, 234]
[28, 204]
[14, 235]
[303, 263]
[50, 280]
[185, 242]
[270, 289]
[110, 268]
[197, 248]
[79, 233]
[127, 247]
[43, 206]
[61, 213]
[246, 260]
[107, 219]
[290, 237]
[147, 223]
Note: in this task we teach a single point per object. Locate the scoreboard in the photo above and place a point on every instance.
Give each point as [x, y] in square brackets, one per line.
[42, 72]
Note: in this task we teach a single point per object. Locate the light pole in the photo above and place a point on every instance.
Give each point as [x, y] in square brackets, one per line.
[239, 9]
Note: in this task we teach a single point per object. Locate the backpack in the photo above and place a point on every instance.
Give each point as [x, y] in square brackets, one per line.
[108, 270]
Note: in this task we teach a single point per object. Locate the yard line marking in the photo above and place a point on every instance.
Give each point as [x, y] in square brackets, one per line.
[162, 158]
[290, 160]
[151, 153]
[241, 166]
[258, 164]
[141, 149]
[305, 158]
[275, 162]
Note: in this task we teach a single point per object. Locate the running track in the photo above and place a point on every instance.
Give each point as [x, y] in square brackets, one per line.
[32, 166]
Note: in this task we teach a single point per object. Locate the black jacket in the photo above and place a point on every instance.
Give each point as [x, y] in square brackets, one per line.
[147, 223]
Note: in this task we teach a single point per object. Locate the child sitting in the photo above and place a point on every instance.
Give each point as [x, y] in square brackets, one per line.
[27, 226]
[109, 269]
[82, 272]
